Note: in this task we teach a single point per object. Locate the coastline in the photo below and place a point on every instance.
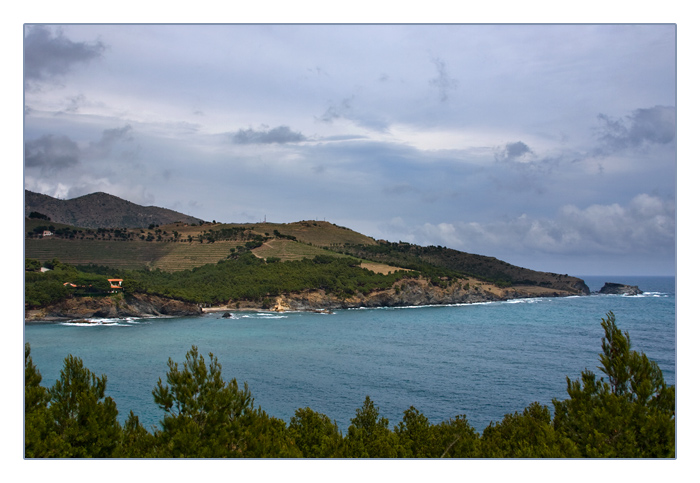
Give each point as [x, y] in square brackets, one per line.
[407, 293]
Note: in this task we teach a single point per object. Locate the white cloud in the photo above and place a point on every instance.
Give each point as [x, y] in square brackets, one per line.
[646, 226]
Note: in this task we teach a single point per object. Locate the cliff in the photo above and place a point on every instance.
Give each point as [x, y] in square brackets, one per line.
[405, 293]
[138, 305]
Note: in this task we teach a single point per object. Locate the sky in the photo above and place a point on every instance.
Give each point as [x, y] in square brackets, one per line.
[549, 146]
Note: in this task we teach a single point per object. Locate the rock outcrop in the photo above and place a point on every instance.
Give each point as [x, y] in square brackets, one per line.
[137, 305]
[414, 292]
[620, 289]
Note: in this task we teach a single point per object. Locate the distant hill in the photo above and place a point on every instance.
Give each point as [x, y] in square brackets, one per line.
[93, 229]
[101, 210]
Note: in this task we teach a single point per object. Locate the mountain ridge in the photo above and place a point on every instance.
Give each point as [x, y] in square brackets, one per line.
[101, 210]
[171, 244]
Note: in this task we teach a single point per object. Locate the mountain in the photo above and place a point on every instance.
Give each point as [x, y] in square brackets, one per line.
[101, 210]
[92, 229]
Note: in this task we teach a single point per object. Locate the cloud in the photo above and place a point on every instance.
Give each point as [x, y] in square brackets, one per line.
[51, 152]
[655, 125]
[443, 81]
[337, 111]
[277, 135]
[400, 189]
[48, 54]
[517, 149]
[645, 226]
[110, 137]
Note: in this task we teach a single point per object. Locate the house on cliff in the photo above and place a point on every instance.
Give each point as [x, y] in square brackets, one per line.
[115, 284]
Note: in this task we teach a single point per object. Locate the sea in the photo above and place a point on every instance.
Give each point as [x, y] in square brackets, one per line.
[482, 360]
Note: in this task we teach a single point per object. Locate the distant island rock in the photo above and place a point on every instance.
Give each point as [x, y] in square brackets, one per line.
[620, 289]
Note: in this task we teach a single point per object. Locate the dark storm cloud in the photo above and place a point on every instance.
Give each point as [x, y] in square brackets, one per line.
[48, 54]
[655, 125]
[51, 153]
[277, 135]
[110, 137]
[517, 149]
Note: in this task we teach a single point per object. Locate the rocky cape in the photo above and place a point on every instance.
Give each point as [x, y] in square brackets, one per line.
[411, 292]
[405, 293]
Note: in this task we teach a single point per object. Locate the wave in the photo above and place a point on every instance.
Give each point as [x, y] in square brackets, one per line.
[262, 315]
[103, 322]
[637, 296]
[458, 304]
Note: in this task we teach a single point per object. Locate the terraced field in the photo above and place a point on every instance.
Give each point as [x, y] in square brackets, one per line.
[128, 254]
[318, 233]
[171, 255]
[287, 250]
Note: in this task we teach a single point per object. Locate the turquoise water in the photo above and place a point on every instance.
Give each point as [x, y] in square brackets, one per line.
[481, 360]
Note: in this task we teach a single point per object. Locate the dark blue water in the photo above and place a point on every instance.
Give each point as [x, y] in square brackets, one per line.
[480, 360]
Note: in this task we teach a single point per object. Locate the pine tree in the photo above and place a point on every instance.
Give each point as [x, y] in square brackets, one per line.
[315, 434]
[203, 413]
[72, 419]
[629, 414]
[369, 435]
[36, 399]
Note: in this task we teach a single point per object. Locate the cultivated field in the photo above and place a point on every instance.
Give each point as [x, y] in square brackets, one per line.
[129, 254]
[187, 252]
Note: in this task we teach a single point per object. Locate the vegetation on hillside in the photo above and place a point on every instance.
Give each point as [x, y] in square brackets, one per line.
[454, 263]
[628, 413]
[243, 277]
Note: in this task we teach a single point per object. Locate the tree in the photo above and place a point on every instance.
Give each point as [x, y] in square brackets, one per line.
[315, 434]
[629, 414]
[369, 435]
[73, 419]
[136, 441]
[456, 438]
[203, 414]
[527, 435]
[416, 438]
[36, 399]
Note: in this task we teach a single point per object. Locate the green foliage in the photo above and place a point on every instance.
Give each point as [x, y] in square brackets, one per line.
[31, 265]
[369, 435]
[418, 438]
[41, 289]
[73, 419]
[250, 278]
[629, 415]
[38, 216]
[527, 435]
[206, 417]
[36, 399]
[315, 434]
[202, 412]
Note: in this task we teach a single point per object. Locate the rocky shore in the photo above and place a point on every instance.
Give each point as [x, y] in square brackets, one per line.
[410, 292]
[120, 306]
